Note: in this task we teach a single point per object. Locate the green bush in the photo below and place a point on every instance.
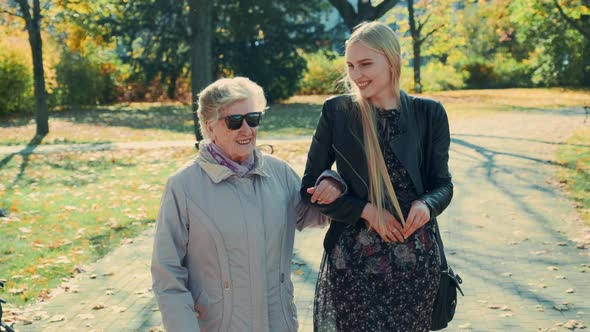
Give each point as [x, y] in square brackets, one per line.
[435, 76]
[81, 81]
[503, 72]
[324, 70]
[16, 85]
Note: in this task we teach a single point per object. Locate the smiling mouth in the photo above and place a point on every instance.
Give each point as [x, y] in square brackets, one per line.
[363, 85]
[244, 141]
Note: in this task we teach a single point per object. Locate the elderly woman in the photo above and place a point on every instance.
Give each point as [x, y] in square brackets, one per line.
[224, 235]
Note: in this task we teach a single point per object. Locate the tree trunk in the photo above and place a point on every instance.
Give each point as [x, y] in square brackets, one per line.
[417, 63]
[201, 12]
[415, 46]
[33, 28]
[586, 63]
[171, 89]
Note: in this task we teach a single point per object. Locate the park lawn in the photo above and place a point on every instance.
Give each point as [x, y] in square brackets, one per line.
[575, 176]
[68, 209]
[296, 116]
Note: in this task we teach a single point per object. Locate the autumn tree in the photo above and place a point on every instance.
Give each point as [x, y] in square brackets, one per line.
[31, 14]
[420, 31]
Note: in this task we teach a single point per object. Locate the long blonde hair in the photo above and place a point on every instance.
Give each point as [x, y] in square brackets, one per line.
[380, 38]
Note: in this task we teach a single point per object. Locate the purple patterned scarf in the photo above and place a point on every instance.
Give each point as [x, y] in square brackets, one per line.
[240, 169]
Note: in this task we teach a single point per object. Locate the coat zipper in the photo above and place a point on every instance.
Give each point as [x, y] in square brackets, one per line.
[350, 165]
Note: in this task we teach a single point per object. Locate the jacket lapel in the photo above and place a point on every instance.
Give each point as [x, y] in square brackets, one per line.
[404, 146]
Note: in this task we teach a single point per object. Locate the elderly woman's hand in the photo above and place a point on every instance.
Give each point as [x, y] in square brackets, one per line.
[326, 192]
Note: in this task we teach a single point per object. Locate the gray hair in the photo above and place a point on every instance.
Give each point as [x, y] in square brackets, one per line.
[223, 92]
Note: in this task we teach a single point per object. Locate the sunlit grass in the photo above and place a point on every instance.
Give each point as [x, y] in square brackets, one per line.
[575, 154]
[69, 209]
[296, 116]
[517, 98]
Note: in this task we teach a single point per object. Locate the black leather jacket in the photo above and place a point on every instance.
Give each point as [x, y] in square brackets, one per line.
[422, 147]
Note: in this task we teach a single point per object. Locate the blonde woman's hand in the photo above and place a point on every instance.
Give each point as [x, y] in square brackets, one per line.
[419, 215]
[393, 232]
[326, 192]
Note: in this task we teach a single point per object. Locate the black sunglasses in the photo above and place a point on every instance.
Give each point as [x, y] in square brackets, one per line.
[234, 122]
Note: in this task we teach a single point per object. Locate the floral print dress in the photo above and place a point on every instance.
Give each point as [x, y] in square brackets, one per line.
[366, 284]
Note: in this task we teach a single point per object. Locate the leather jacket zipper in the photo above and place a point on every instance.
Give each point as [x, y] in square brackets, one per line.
[350, 165]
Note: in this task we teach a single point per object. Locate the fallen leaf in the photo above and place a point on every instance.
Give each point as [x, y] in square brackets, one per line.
[57, 318]
[98, 306]
[298, 272]
[574, 324]
[561, 307]
[25, 230]
[16, 291]
[119, 309]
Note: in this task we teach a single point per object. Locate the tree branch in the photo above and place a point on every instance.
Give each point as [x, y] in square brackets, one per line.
[423, 23]
[2, 10]
[384, 6]
[571, 21]
[423, 39]
[346, 12]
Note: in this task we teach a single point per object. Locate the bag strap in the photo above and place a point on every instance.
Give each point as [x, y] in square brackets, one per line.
[441, 247]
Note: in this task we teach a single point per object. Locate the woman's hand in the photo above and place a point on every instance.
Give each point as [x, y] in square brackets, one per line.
[393, 232]
[419, 215]
[326, 192]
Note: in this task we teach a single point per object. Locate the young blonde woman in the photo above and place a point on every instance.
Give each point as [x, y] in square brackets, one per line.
[381, 265]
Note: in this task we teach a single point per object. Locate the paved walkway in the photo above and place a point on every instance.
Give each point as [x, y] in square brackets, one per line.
[509, 232]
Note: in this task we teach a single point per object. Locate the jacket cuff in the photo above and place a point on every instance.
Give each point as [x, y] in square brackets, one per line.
[333, 175]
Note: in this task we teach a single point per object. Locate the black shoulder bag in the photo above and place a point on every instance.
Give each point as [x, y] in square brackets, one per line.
[446, 297]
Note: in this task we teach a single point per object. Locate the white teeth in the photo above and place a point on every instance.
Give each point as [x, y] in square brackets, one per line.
[244, 141]
[362, 84]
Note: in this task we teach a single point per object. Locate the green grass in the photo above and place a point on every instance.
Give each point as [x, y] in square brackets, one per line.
[70, 209]
[296, 117]
[575, 177]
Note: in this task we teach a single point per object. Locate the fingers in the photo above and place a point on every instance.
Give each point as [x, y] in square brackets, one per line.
[392, 222]
[416, 219]
[392, 236]
[324, 193]
[411, 220]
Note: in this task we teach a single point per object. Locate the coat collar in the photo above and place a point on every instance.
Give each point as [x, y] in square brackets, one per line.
[218, 173]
